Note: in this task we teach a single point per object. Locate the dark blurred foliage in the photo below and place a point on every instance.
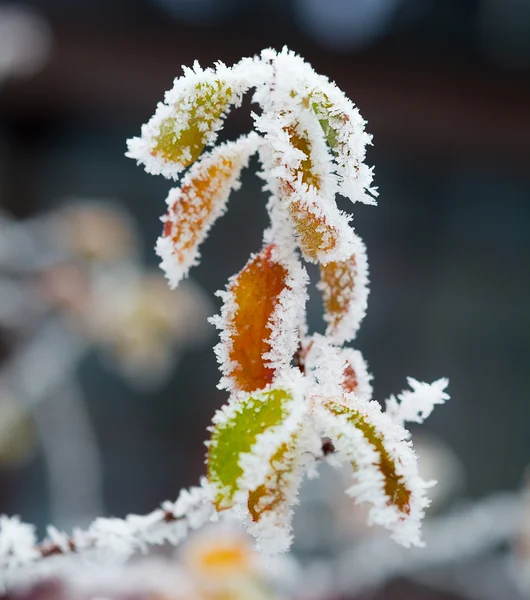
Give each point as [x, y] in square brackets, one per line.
[445, 87]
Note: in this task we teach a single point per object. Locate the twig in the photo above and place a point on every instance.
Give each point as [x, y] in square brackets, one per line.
[105, 540]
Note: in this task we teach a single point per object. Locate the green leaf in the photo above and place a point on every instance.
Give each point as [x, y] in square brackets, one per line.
[396, 490]
[322, 112]
[183, 136]
[329, 124]
[236, 429]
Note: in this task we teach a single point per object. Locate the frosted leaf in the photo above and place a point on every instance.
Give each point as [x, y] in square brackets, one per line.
[246, 433]
[298, 169]
[344, 129]
[344, 287]
[270, 505]
[190, 117]
[17, 542]
[385, 466]
[417, 404]
[339, 119]
[262, 311]
[356, 377]
[198, 202]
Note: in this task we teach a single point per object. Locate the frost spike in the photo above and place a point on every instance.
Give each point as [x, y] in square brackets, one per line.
[263, 309]
[198, 202]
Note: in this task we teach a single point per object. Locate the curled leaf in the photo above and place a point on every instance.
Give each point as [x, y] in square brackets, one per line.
[385, 466]
[198, 202]
[344, 287]
[261, 315]
[189, 119]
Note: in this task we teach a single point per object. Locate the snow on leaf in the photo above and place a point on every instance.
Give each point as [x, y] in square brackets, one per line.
[385, 466]
[246, 434]
[344, 287]
[260, 319]
[337, 118]
[198, 202]
[343, 128]
[322, 230]
[356, 378]
[299, 171]
[189, 118]
[270, 504]
[416, 405]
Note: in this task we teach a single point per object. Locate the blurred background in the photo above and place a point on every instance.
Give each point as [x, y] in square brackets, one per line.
[445, 88]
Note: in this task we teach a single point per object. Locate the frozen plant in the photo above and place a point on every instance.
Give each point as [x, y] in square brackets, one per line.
[295, 398]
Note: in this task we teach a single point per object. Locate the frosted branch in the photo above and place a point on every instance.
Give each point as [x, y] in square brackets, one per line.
[107, 539]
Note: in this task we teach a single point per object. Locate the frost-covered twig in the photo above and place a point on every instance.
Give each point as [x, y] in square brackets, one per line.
[107, 539]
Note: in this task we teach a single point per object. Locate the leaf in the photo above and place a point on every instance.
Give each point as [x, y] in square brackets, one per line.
[270, 504]
[344, 287]
[270, 495]
[189, 119]
[384, 464]
[316, 236]
[235, 432]
[356, 378]
[343, 128]
[181, 138]
[323, 232]
[262, 311]
[195, 206]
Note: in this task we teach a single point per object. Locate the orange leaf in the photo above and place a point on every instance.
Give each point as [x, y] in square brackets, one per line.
[260, 319]
[316, 235]
[344, 286]
[198, 203]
